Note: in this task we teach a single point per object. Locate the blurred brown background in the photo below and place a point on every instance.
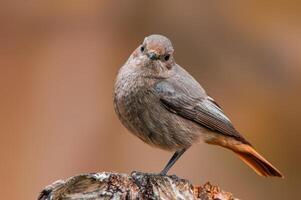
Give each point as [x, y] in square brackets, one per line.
[58, 61]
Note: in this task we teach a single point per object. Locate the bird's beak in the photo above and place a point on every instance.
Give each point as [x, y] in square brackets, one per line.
[152, 55]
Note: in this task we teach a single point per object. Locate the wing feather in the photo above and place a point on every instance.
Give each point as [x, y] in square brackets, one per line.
[201, 110]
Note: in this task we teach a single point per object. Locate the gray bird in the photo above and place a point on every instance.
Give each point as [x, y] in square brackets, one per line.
[163, 105]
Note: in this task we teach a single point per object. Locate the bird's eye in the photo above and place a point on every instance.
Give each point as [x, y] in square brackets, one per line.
[166, 58]
[142, 49]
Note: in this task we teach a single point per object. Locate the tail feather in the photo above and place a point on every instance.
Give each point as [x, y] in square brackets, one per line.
[247, 154]
[258, 163]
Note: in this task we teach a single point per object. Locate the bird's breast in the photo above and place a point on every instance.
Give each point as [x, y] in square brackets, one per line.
[130, 93]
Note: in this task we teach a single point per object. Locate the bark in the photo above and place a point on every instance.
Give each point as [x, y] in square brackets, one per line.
[138, 185]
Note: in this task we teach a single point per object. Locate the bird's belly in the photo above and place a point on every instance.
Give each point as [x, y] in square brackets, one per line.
[155, 125]
[169, 132]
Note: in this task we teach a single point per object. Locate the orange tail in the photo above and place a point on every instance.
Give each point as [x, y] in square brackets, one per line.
[258, 163]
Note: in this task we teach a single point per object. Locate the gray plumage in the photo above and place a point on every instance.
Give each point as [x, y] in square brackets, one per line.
[163, 105]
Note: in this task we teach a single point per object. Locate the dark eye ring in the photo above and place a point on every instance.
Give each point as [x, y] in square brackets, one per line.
[166, 58]
[142, 49]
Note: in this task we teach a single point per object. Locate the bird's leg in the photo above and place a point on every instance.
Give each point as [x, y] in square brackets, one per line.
[172, 161]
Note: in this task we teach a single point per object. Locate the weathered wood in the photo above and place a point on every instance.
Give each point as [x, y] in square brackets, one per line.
[138, 185]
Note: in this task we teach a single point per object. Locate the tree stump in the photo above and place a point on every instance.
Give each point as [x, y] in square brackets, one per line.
[138, 185]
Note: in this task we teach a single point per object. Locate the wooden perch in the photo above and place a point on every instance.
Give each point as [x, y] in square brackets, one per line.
[138, 185]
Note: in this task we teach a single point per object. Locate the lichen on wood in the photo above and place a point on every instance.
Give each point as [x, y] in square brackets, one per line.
[138, 185]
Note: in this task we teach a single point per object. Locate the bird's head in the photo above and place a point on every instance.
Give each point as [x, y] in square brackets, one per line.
[156, 51]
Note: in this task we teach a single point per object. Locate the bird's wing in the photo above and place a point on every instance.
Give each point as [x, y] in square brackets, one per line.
[202, 110]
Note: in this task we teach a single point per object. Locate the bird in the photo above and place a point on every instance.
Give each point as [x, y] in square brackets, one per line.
[162, 104]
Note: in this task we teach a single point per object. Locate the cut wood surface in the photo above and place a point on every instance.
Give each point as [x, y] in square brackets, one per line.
[138, 185]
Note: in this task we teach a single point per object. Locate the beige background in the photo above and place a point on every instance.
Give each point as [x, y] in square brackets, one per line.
[58, 61]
